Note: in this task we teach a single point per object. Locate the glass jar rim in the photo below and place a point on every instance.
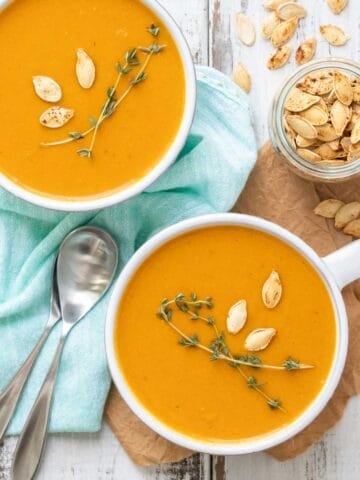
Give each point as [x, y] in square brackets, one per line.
[277, 133]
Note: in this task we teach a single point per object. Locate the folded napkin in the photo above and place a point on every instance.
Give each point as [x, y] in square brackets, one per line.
[207, 177]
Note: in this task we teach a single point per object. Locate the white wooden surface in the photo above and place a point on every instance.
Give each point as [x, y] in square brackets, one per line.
[209, 27]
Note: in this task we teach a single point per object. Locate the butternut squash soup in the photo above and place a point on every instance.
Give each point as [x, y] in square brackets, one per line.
[92, 95]
[225, 333]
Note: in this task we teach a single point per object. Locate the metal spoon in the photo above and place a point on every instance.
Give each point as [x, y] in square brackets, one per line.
[10, 396]
[86, 266]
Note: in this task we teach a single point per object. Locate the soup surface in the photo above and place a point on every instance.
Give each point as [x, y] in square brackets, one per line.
[209, 399]
[39, 37]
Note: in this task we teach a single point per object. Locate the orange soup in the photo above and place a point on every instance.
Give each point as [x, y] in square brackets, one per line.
[204, 397]
[41, 38]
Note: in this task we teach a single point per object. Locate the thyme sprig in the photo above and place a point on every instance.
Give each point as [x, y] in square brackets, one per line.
[112, 102]
[218, 349]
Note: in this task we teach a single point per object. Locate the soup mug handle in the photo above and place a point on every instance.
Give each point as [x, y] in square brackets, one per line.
[344, 264]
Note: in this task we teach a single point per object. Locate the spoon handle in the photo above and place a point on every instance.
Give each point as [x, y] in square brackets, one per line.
[31, 443]
[10, 396]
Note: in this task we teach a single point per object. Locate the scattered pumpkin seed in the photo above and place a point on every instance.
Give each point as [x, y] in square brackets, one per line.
[259, 339]
[334, 35]
[242, 77]
[56, 117]
[279, 57]
[237, 317]
[283, 32]
[268, 26]
[346, 214]
[306, 51]
[337, 6]
[47, 88]
[353, 228]
[272, 290]
[273, 4]
[328, 208]
[245, 29]
[85, 69]
[288, 10]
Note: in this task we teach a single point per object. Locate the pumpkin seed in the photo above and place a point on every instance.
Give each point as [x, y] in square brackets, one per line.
[270, 22]
[345, 142]
[317, 83]
[356, 89]
[298, 101]
[326, 133]
[334, 35]
[328, 208]
[237, 317]
[353, 152]
[85, 69]
[291, 9]
[355, 134]
[47, 89]
[302, 126]
[242, 78]
[56, 117]
[259, 339]
[337, 6]
[334, 145]
[343, 88]
[279, 57]
[353, 228]
[274, 4]
[309, 155]
[272, 290]
[346, 214]
[340, 116]
[306, 51]
[283, 32]
[245, 29]
[291, 135]
[326, 152]
[315, 115]
[302, 142]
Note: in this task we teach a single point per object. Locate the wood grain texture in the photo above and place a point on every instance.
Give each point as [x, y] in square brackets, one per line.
[209, 27]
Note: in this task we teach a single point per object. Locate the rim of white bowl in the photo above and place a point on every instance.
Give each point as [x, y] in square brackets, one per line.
[253, 444]
[99, 202]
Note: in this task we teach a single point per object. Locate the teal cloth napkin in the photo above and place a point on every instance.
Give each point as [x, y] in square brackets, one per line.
[207, 177]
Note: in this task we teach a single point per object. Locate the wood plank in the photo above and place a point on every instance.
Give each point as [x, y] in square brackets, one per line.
[100, 457]
[192, 17]
[333, 458]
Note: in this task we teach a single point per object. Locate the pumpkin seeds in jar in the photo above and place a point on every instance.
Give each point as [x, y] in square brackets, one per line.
[298, 101]
[325, 100]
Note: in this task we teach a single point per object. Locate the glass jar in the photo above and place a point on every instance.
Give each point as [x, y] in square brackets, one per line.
[302, 167]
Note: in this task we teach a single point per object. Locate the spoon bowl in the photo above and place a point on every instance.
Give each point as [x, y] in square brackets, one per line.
[87, 263]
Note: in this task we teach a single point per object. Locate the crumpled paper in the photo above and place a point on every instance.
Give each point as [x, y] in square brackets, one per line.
[273, 192]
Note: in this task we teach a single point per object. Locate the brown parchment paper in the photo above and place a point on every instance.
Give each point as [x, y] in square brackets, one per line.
[274, 193]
